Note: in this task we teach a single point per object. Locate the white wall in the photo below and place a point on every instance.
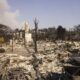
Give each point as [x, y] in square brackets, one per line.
[28, 37]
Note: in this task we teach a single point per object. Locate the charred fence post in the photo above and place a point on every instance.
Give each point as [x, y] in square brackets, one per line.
[12, 41]
[24, 39]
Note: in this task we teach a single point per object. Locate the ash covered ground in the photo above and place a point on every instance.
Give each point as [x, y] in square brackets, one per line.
[49, 63]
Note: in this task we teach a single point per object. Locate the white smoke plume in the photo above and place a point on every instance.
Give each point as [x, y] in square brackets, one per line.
[7, 17]
[4, 5]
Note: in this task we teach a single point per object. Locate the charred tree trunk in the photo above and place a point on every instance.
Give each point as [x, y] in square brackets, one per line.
[35, 39]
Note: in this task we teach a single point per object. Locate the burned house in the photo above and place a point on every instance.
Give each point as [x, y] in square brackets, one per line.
[23, 35]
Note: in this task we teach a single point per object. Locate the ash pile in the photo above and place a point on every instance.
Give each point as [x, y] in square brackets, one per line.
[47, 64]
[15, 67]
[59, 60]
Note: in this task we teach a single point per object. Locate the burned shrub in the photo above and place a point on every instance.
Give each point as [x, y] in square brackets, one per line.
[2, 50]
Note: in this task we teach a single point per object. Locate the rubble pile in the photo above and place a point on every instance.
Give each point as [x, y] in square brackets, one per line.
[48, 61]
[15, 67]
[59, 49]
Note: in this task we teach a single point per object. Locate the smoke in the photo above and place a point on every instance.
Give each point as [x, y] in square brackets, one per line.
[8, 17]
[4, 5]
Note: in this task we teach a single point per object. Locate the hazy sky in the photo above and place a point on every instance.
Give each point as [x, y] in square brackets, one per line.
[49, 12]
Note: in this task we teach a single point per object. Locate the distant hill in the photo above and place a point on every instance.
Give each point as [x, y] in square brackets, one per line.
[5, 32]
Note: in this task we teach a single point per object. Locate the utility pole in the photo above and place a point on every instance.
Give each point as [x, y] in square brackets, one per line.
[35, 39]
